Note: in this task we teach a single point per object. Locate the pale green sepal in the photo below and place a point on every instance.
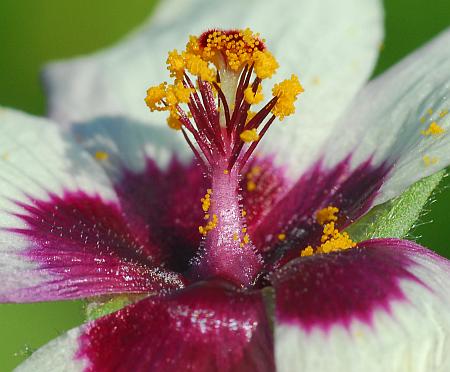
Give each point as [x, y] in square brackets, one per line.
[104, 305]
[396, 217]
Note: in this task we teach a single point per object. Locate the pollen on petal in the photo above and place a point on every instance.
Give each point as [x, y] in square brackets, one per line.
[433, 130]
[327, 214]
[429, 160]
[101, 155]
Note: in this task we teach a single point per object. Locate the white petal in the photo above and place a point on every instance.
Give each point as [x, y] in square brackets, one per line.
[409, 333]
[58, 355]
[130, 143]
[388, 116]
[36, 160]
[331, 45]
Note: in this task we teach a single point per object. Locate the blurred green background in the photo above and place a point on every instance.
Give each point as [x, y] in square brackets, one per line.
[34, 32]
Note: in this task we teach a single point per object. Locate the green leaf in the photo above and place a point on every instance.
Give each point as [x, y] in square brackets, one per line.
[396, 217]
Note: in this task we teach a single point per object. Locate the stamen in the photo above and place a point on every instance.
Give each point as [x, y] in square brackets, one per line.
[223, 64]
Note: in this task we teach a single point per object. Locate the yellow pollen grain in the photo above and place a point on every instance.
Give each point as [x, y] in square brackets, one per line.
[251, 97]
[287, 92]
[443, 113]
[249, 135]
[251, 185]
[308, 251]
[235, 236]
[327, 214]
[430, 111]
[423, 119]
[101, 155]
[429, 160]
[226, 171]
[433, 130]
[281, 236]
[244, 229]
[244, 213]
[209, 226]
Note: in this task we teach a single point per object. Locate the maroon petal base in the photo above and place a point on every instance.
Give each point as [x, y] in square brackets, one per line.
[337, 288]
[206, 327]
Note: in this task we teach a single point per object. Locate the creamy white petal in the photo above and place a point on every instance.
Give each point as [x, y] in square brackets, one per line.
[130, 143]
[331, 45]
[361, 324]
[37, 160]
[58, 355]
[388, 117]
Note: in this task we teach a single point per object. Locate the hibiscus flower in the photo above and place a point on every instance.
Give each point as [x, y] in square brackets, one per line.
[224, 235]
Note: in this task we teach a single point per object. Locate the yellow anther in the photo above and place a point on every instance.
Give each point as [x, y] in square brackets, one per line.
[101, 155]
[250, 116]
[155, 97]
[308, 251]
[327, 214]
[199, 67]
[173, 122]
[175, 64]
[249, 135]
[429, 160]
[251, 185]
[433, 130]
[265, 64]
[287, 92]
[253, 98]
[180, 93]
[281, 236]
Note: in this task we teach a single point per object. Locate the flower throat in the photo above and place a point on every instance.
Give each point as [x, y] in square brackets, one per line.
[217, 80]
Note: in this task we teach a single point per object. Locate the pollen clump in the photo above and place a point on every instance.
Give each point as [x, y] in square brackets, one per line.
[265, 64]
[286, 92]
[433, 130]
[209, 226]
[327, 214]
[332, 240]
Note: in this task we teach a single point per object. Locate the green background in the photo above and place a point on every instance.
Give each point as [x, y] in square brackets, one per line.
[34, 32]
